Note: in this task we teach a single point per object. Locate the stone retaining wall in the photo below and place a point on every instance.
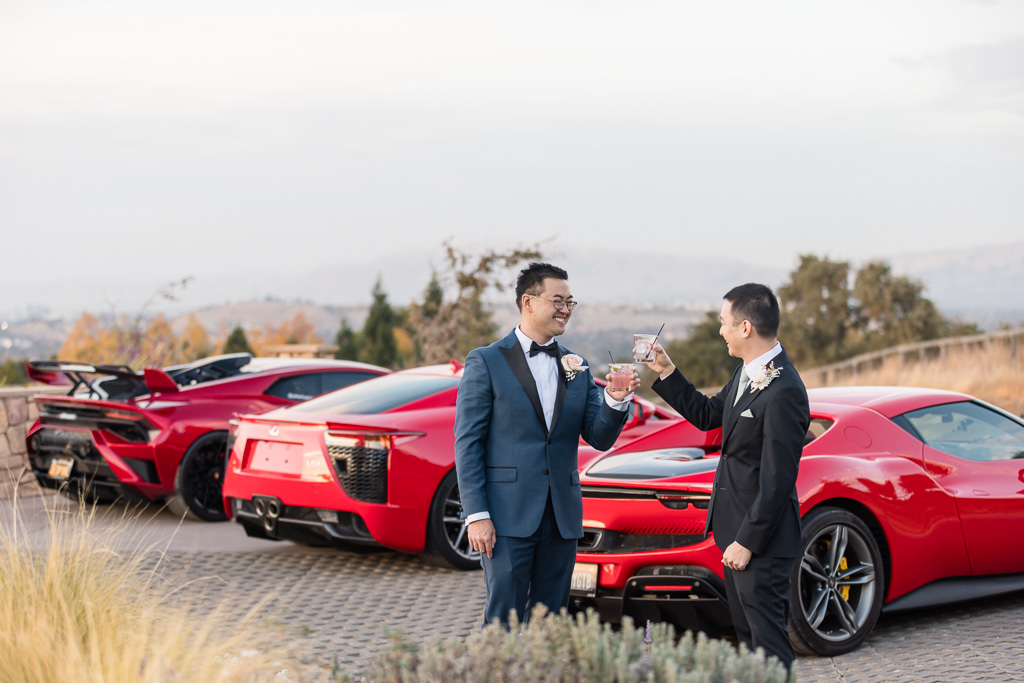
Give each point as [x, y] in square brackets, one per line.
[17, 413]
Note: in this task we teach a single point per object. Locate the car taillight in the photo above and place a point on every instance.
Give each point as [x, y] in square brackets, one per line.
[374, 441]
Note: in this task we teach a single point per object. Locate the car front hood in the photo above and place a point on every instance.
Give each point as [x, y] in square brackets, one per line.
[659, 464]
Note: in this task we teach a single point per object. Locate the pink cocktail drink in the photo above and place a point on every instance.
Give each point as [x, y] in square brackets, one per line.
[621, 374]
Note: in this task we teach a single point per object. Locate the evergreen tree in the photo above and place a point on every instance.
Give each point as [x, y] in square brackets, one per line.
[816, 311]
[378, 336]
[825, 320]
[237, 342]
[347, 341]
[893, 310]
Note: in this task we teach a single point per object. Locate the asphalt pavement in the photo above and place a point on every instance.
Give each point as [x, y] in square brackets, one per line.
[339, 606]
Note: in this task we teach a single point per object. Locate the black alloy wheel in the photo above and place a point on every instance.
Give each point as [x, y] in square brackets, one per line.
[447, 540]
[838, 586]
[200, 479]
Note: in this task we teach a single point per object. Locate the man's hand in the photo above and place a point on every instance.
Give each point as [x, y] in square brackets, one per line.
[736, 557]
[620, 394]
[661, 363]
[482, 536]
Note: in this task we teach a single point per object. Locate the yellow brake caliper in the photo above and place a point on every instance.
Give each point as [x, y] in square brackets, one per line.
[843, 566]
[845, 590]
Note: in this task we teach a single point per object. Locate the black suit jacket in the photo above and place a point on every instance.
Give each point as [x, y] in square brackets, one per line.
[754, 500]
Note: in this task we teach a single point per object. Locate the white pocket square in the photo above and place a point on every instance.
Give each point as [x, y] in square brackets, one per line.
[746, 413]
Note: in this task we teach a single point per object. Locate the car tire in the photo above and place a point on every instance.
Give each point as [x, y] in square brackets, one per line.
[838, 585]
[200, 479]
[447, 542]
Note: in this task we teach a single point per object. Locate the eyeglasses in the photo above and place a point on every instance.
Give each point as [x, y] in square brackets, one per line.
[559, 304]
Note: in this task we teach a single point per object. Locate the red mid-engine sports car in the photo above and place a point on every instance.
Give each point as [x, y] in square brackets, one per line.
[371, 464]
[162, 433]
[909, 497]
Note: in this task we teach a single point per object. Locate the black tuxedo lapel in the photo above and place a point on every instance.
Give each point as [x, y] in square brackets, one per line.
[517, 361]
[728, 408]
[560, 391]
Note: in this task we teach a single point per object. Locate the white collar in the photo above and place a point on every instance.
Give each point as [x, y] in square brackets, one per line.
[763, 359]
[525, 341]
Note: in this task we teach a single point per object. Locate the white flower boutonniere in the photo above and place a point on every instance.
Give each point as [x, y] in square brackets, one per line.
[763, 376]
[573, 365]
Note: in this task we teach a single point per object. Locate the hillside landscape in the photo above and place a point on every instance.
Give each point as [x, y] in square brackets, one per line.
[638, 294]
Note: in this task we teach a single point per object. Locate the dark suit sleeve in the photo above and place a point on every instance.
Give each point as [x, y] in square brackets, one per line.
[474, 406]
[785, 422]
[602, 424]
[703, 411]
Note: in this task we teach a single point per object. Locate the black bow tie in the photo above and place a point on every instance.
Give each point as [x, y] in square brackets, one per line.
[551, 349]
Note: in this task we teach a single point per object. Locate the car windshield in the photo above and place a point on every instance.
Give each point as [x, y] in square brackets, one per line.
[378, 395]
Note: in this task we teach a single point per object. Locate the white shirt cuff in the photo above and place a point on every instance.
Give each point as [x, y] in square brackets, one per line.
[622, 405]
[477, 516]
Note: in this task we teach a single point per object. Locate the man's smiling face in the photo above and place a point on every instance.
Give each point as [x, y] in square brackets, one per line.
[541, 320]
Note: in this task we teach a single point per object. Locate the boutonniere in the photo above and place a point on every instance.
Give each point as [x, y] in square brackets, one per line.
[763, 376]
[573, 365]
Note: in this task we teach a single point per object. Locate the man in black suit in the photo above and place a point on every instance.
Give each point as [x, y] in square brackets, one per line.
[754, 513]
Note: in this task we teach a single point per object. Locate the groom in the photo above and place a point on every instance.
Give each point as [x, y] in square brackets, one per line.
[523, 403]
[754, 513]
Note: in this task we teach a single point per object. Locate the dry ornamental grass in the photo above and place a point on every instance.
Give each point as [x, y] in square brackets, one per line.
[77, 610]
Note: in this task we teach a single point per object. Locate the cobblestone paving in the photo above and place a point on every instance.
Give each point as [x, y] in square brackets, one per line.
[342, 604]
[338, 606]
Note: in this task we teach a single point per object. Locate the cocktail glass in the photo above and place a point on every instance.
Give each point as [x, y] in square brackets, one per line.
[643, 347]
[621, 374]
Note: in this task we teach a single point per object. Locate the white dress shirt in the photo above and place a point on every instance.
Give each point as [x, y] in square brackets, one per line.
[762, 360]
[545, 371]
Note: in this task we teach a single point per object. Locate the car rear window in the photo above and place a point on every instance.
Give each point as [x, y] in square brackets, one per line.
[378, 395]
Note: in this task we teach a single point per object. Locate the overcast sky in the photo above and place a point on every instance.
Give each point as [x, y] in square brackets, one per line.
[146, 141]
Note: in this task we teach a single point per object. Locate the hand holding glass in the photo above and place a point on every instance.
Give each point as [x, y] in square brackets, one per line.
[621, 374]
[643, 347]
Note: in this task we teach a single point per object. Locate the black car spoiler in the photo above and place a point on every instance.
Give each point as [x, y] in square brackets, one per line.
[121, 383]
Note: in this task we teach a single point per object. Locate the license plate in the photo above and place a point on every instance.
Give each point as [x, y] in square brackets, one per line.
[277, 456]
[60, 468]
[584, 580]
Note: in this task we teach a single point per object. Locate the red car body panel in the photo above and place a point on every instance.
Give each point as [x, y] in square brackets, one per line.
[171, 421]
[938, 516]
[419, 459]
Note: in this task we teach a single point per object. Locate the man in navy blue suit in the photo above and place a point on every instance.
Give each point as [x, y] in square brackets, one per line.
[523, 403]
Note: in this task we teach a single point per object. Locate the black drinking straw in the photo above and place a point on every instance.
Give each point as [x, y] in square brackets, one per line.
[648, 354]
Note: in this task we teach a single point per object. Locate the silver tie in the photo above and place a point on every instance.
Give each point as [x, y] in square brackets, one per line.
[742, 385]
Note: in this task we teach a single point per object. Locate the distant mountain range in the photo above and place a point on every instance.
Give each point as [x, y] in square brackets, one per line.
[621, 293]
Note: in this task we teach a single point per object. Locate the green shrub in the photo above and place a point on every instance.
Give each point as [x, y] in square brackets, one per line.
[559, 648]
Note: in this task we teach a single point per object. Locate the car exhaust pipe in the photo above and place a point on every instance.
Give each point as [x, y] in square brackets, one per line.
[269, 510]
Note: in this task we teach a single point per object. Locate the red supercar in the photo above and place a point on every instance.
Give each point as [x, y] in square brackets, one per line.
[909, 497]
[162, 433]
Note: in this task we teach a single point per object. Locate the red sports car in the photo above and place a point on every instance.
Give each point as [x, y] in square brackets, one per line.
[371, 464]
[909, 497]
[163, 433]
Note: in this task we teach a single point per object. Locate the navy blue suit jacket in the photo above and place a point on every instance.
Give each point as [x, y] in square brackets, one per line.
[506, 458]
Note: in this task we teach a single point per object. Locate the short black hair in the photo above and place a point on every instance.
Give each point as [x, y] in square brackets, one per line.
[756, 303]
[531, 279]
